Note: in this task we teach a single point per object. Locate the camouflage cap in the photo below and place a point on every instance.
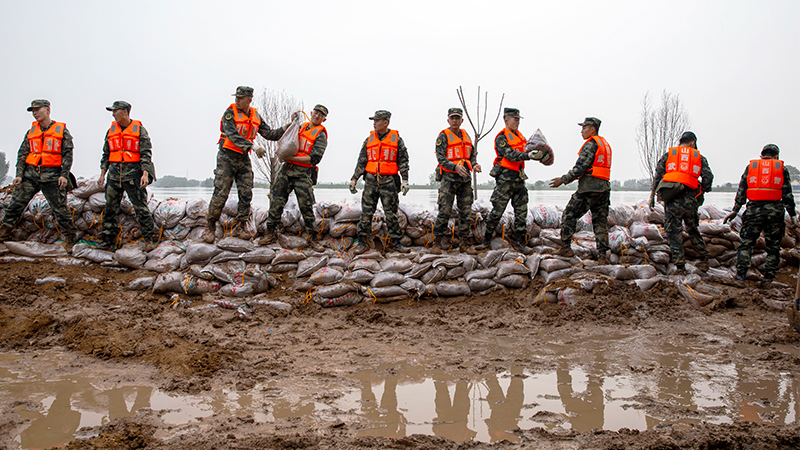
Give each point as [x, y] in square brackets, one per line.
[688, 136]
[513, 112]
[321, 108]
[771, 149]
[591, 121]
[455, 112]
[381, 114]
[119, 104]
[243, 91]
[39, 102]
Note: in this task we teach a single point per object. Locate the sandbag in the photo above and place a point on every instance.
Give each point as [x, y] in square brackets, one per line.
[480, 274]
[382, 279]
[452, 288]
[659, 257]
[169, 263]
[365, 264]
[546, 216]
[90, 253]
[196, 208]
[455, 272]
[481, 284]
[130, 257]
[282, 267]
[200, 252]
[553, 264]
[291, 241]
[348, 213]
[338, 289]
[513, 280]
[227, 272]
[233, 244]
[414, 286]
[97, 202]
[713, 227]
[400, 265]
[325, 276]
[349, 299]
[164, 249]
[533, 262]
[362, 276]
[615, 271]
[260, 255]
[142, 284]
[310, 265]
[643, 271]
[651, 232]
[287, 256]
[237, 290]
[225, 256]
[36, 249]
[418, 269]
[505, 268]
[169, 213]
[182, 283]
[87, 187]
[558, 274]
[289, 143]
[385, 291]
[491, 258]
[448, 262]
[434, 275]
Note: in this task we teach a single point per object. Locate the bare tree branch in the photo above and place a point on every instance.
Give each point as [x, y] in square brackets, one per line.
[659, 129]
[478, 131]
[276, 109]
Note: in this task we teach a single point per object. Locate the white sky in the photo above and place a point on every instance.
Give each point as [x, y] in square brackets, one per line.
[735, 65]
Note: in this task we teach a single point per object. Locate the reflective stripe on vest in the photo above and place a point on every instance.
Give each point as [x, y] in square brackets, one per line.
[459, 149]
[683, 166]
[765, 180]
[517, 143]
[124, 143]
[45, 145]
[308, 136]
[246, 126]
[382, 154]
[601, 167]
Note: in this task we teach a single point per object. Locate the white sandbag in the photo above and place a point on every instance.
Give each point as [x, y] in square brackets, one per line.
[382, 279]
[505, 268]
[400, 265]
[90, 253]
[225, 256]
[480, 274]
[361, 276]
[514, 280]
[713, 227]
[349, 299]
[288, 256]
[196, 208]
[546, 216]
[651, 232]
[36, 249]
[237, 290]
[365, 264]
[260, 255]
[491, 258]
[233, 244]
[481, 284]
[452, 288]
[558, 274]
[643, 271]
[289, 142]
[455, 272]
[310, 265]
[339, 229]
[166, 248]
[183, 283]
[532, 262]
[169, 213]
[338, 289]
[325, 276]
[200, 252]
[434, 275]
[169, 263]
[97, 202]
[282, 267]
[659, 257]
[550, 264]
[620, 215]
[616, 272]
[414, 286]
[385, 291]
[142, 284]
[130, 257]
[338, 263]
[227, 272]
[291, 242]
[74, 262]
[645, 284]
[348, 213]
[87, 187]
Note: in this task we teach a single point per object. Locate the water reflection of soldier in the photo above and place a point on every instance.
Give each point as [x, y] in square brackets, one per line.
[387, 412]
[117, 407]
[451, 420]
[587, 409]
[506, 409]
[58, 425]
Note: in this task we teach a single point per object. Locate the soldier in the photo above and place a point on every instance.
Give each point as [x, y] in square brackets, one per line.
[127, 158]
[239, 126]
[43, 164]
[299, 174]
[508, 171]
[767, 189]
[457, 159]
[383, 161]
[592, 170]
[676, 182]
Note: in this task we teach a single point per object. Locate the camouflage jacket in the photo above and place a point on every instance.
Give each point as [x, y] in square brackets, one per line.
[45, 174]
[317, 151]
[586, 182]
[787, 200]
[441, 158]
[230, 131]
[706, 176]
[119, 171]
[402, 161]
[502, 149]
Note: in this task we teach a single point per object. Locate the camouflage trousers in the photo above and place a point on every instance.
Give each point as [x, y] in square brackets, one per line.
[766, 217]
[57, 198]
[387, 194]
[679, 211]
[517, 193]
[460, 190]
[578, 205]
[138, 197]
[279, 194]
[232, 166]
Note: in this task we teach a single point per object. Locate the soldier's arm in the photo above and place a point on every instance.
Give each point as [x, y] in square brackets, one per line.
[106, 155]
[361, 164]
[504, 150]
[441, 153]
[230, 131]
[706, 184]
[24, 150]
[584, 162]
[318, 150]
[268, 133]
[788, 197]
[661, 170]
[402, 159]
[146, 152]
[741, 193]
[66, 153]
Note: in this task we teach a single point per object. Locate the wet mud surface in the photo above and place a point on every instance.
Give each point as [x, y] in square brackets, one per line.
[92, 365]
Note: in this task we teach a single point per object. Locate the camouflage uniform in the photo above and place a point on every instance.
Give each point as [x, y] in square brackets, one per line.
[593, 194]
[762, 216]
[301, 180]
[682, 210]
[509, 186]
[383, 187]
[453, 186]
[45, 179]
[234, 166]
[125, 178]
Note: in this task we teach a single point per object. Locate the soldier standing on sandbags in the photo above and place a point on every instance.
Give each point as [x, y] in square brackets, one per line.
[766, 187]
[383, 161]
[127, 158]
[457, 158]
[593, 172]
[508, 171]
[43, 163]
[299, 174]
[682, 177]
[239, 126]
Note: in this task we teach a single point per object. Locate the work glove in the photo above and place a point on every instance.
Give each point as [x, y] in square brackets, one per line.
[260, 151]
[404, 187]
[353, 189]
[729, 217]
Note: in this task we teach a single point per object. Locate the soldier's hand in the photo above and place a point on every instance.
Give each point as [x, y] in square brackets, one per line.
[477, 168]
[145, 180]
[353, 189]
[556, 182]
[62, 183]
[101, 180]
[404, 187]
[461, 170]
[652, 202]
[260, 151]
[729, 217]
[17, 181]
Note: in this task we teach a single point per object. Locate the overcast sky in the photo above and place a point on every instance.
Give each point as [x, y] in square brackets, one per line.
[735, 65]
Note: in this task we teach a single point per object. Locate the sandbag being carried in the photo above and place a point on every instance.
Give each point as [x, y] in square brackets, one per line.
[289, 142]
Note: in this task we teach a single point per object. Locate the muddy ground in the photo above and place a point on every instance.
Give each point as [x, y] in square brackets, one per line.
[181, 350]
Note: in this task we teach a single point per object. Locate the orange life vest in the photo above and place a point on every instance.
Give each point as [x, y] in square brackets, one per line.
[308, 136]
[765, 179]
[382, 154]
[517, 143]
[45, 145]
[459, 149]
[246, 126]
[124, 144]
[601, 167]
[683, 166]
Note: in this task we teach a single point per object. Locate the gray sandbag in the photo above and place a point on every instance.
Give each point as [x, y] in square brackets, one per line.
[338, 262]
[142, 284]
[166, 248]
[452, 288]
[338, 289]
[349, 299]
[169, 263]
[291, 241]
[287, 256]
[650, 231]
[196, 208]
[468, 262]
[417, 270]
[88, 252]
[369, 254]
[200, 252]
[532, 262]
[365, 264]
[615, 271]
[36, 249]
[434, 275]
[302, 285]
[385, 291]
[514, 280]
[233, 244]
[695, 297]
[429, 258]
[325, 276]
[558, 274]
[383, 279]
[643, 271]
[70, 261]
[478, 274]
[414, 286]
[588, 280]
[481, 284]
[225, 256]
[659, 257]
[448, 262]
[645, 284]
[87, 187]
[260, 255]
[455, 272]
[197, 271]
[237, 290]
[361, 276]
[349, 213]
[169, 213]
[282, 267]
[184, 283]
[130, 257]
[227, 272]
[713, 227]
[491, 258]
[721, 272]
[97, 202]
[310, 265]
[400, 265]
[553, 264]
[505, 268]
